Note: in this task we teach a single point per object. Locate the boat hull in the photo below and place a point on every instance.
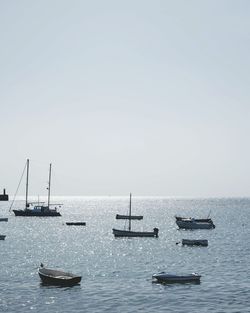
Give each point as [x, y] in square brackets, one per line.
[2, 237]
[128, 233]
[197, 242]
[170, 278]
[58, 278]
[127, 217]
[76, 223]
[4, 219]
[191, 224]
[34, 213]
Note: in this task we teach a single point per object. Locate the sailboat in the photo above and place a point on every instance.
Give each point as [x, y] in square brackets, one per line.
[130, 233]
[37, 208]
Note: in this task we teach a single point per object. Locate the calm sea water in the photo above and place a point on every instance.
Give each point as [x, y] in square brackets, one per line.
[116, 273]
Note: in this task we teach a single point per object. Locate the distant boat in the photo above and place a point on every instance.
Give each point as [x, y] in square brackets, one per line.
[126, 217]
[2, 237]
[207, 220]
[195, 242]
[191, 223]
[173, 278]
[59, 278]
[4, 196]
[37, 208]
[76, 223]
[3, 219]
[129, 233]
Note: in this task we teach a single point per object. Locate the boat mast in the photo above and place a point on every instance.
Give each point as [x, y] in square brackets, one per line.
[129, 225]
[27, 185]
[49, 185]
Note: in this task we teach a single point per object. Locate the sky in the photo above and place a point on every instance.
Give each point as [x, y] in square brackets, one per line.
[148, 97]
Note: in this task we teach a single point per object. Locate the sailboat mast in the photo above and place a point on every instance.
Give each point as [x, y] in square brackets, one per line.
[27, 185]
[49, 185]
[129, 225]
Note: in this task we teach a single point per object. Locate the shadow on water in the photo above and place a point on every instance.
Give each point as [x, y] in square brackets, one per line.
[49, 286]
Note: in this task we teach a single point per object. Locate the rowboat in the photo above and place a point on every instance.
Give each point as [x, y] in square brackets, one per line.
[59, 278]
[164, 277]
[2, 237]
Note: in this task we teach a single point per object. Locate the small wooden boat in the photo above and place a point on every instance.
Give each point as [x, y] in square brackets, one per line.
[164, 277]
[127, 217]
[2, 237]
[3, 219]
[195, 242]
[76, 223]
[58, 278]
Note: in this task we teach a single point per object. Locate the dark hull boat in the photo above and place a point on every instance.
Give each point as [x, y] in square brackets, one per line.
[127, 217]
[3, 219]
[37, 209]
[76, 223]
[2, 237]
[195, 242]
[58, 278]
[129, 233]
[4, 196]
[33, 212]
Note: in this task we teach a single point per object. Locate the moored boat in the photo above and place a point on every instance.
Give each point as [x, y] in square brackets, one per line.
[127, 217]
[76, 223]
[3, 219]
[195, 242]
[37, 208]
[130, 233]
[59, 278]
[2, 237]
[191, 223]
[208, 220]
[164, 277]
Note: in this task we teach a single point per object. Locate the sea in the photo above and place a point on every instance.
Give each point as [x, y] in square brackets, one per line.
[117, 273]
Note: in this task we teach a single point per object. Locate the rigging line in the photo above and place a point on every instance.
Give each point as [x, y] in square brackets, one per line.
[18, 187]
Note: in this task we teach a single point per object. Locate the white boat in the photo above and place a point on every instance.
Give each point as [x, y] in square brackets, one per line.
[164, 277]
[3, 219]
[130, 233]
[37, 208]
[191, 223]
[195, 242]
[2, 237]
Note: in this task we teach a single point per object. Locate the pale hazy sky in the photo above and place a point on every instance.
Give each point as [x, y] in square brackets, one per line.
[149, 97]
